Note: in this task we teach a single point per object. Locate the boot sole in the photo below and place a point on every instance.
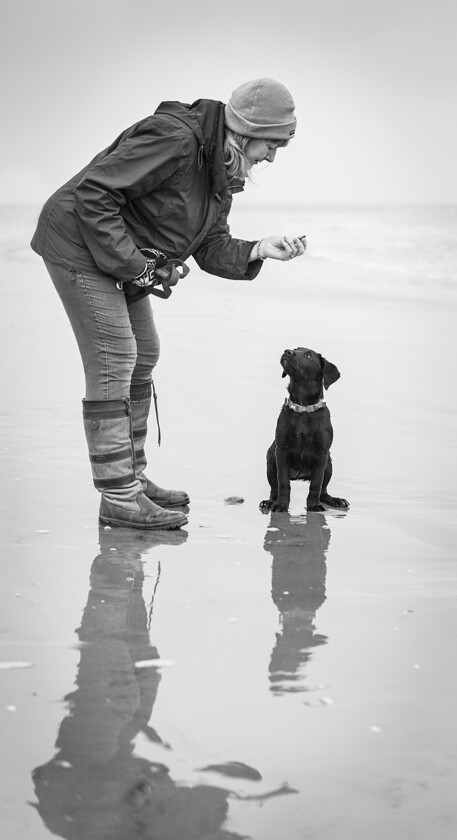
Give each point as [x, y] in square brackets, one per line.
[121, 523]
[163, 503]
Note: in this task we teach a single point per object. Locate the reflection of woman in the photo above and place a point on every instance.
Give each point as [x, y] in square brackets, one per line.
[165, 184]
[298, 549]
[95, 788]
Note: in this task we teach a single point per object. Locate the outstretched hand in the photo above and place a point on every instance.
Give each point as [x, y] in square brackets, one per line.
[280, 247]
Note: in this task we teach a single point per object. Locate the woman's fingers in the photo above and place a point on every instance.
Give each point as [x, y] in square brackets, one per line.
[295, 246]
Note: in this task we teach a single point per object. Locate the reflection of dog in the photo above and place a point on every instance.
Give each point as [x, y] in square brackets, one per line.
[304, 433]
[298, 548]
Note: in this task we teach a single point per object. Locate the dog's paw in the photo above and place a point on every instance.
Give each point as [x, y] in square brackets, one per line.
[280, 507]
[265, 506]
[335, 502]
[317, 507]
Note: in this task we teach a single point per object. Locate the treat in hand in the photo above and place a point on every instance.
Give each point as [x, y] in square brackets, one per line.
[279, 247]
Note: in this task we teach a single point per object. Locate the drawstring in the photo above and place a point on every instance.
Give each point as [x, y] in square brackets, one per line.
[200, 156]
[157, 412]
[128, 409]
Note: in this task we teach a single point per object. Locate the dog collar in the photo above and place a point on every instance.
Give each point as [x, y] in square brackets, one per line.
[307, 408]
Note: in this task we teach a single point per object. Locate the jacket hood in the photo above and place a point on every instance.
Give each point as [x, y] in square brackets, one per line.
[206, 119]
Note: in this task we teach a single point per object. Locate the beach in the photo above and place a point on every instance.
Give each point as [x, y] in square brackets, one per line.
[302, 682]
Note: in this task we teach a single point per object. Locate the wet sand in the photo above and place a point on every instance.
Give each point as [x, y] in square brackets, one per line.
[307, 683]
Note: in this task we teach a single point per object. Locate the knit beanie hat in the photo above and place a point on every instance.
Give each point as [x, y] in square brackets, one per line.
[261, 108]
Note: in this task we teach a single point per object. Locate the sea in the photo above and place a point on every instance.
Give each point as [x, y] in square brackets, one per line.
[415, 242]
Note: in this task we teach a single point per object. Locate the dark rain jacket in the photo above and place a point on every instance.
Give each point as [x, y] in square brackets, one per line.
[161, 184]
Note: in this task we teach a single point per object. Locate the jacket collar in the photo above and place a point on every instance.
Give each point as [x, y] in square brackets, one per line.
[206, 119]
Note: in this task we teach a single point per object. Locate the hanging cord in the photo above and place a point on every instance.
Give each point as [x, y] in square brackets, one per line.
[128, 408]
[159, 439]
[151, 605]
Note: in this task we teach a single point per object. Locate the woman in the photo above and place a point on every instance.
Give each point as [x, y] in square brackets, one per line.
[166, 183]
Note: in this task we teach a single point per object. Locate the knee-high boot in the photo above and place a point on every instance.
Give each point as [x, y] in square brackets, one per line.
[140, 396]
[109, 434]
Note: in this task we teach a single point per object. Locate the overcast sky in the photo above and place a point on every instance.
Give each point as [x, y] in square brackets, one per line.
[374, 81]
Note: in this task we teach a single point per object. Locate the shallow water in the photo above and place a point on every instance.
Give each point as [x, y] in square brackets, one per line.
[307, 682]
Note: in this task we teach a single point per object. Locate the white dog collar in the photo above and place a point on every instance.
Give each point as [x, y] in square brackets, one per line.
[307, 408]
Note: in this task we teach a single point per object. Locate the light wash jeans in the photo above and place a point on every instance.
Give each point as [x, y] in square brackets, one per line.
[119, 345]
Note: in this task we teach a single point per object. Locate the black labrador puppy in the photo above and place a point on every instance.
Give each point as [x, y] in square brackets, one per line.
[304, 434]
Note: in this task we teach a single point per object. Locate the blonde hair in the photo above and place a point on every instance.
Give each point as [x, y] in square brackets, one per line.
[238, 166]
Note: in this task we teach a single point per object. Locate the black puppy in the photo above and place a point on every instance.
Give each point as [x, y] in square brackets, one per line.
[304, 433]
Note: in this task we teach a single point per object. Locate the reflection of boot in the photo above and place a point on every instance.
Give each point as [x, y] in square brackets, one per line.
[140, 395]
[130, 546]
[107, 424]
[98, 785]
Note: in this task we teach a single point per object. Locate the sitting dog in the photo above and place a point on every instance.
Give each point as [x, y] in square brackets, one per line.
[304, 434]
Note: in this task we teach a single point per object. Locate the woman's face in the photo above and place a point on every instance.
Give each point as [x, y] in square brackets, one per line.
[258, 150]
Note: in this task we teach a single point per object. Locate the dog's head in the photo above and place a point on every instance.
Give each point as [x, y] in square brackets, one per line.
[308, 366]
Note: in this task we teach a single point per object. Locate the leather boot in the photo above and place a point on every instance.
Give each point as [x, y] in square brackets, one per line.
[109, 434]
[140, 396]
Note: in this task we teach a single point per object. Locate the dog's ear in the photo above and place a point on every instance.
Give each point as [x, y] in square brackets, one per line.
[330, 372]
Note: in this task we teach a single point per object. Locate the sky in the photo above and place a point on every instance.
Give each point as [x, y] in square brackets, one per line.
[374, 83]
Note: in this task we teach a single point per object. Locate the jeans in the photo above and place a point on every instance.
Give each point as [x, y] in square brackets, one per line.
[119, 345]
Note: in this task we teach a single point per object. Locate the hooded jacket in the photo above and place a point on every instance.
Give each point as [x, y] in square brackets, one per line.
[163, 184]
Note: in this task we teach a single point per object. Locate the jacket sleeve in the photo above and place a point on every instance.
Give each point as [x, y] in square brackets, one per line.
[138, 165]
[222, 254]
